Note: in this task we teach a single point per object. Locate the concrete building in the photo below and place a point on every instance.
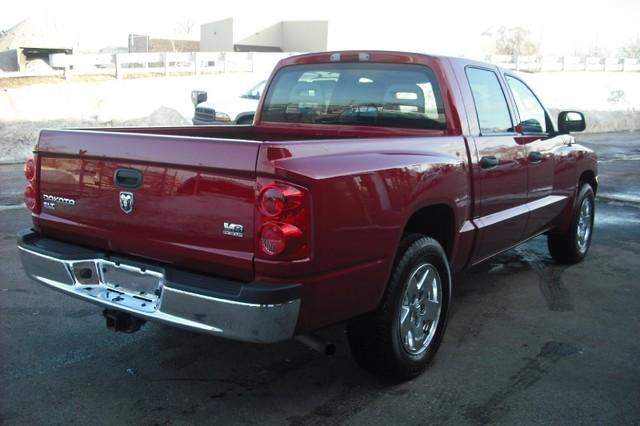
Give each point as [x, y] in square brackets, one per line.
[29, 43]
[232, 35]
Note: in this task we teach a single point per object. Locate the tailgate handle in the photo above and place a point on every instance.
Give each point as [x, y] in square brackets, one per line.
[127, 178]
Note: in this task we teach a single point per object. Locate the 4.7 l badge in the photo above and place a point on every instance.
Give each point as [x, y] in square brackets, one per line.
[126, 201]
[233, 229]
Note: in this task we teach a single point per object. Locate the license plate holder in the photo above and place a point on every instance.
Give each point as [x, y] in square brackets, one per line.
[138, 282]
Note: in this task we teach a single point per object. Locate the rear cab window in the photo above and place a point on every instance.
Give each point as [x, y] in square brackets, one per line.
[490, 102]
[371, 94]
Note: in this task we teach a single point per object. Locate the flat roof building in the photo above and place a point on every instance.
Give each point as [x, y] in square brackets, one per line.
[237, 35]
[32, 40]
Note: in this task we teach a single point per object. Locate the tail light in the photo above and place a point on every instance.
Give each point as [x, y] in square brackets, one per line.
[282, 221]
[31, 190]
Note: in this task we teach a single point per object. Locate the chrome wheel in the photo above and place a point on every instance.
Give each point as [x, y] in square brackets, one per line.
[420, 309]
[585, 221]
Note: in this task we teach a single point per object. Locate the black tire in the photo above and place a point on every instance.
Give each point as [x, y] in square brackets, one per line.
[572, 246]
[376, 340]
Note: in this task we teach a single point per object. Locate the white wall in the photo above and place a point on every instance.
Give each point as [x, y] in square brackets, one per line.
[270, 36]
[289, 36]
[217, 36]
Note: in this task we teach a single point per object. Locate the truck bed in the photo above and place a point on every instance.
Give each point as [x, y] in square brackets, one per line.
[195, 179]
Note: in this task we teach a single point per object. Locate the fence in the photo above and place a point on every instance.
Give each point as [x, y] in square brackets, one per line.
[565, 63]
[122, 64]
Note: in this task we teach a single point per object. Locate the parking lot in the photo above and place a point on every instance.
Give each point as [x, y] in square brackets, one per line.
[528, 342]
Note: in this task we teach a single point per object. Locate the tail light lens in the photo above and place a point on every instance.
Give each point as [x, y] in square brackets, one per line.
[30, 197]
[30, 169]
[31, 190]
[282, 221]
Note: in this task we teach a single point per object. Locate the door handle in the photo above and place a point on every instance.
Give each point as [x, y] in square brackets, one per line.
[127, 178]
[488, 162]
[535, 157]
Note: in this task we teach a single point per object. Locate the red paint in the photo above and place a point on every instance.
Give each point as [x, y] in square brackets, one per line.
[360, 186]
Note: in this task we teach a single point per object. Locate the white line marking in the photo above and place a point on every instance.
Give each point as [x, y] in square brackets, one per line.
[13, 207]
[621, 197]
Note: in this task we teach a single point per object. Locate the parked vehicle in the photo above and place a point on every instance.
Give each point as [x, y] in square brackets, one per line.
[366, 180]
[238, 110]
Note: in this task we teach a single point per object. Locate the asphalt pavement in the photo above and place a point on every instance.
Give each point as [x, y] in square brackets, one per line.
[528, 342]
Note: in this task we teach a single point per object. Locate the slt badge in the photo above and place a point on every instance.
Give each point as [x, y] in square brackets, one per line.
[126, 201]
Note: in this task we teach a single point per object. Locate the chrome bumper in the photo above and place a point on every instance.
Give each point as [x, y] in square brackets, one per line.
[251, 312]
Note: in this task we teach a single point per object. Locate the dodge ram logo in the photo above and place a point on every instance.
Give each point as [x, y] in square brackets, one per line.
[126, 201]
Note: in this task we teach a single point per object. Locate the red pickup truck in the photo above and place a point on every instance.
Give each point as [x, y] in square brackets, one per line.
[365, 181]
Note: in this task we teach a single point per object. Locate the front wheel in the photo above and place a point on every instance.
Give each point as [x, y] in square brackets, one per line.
[572, 245]
[401, 337]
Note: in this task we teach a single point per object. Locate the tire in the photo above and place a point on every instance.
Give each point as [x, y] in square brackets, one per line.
[402, 335]
[572, 246]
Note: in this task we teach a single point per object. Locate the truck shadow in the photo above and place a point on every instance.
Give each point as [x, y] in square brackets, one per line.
[207, 370]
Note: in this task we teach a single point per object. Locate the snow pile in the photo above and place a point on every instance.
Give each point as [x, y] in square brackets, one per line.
[610, 101]
[110, 100]
[24, 111]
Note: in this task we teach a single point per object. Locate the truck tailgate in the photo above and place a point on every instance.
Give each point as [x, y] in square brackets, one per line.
[190, 188]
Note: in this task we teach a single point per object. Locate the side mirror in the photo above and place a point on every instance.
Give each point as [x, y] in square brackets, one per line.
[571, 121]
[198, 96]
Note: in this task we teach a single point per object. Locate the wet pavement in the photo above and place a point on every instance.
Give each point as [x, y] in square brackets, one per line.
[528, 342]
[618, 165]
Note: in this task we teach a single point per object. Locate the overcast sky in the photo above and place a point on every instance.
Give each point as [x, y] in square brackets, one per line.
[447, 27]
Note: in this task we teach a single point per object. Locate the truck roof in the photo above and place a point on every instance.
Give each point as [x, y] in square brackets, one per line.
[375, 56]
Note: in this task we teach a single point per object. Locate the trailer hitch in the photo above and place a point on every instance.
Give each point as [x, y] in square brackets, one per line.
[120, 321]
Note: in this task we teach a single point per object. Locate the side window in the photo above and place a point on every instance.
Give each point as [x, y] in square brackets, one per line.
[532, 115]
[491, 105]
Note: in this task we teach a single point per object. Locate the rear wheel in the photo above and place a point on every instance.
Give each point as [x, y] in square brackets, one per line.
[404, 333]
[572, 246]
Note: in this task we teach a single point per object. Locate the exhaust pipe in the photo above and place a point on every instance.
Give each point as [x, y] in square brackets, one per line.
[317, 343]
[119, 321]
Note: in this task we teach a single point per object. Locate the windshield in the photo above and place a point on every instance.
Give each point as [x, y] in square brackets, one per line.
[392, 95]
[255, 91]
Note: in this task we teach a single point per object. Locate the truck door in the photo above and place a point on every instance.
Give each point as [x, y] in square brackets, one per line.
[550, 165]
[499, 169]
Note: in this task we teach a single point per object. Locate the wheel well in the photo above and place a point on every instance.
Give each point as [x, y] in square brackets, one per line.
[435, 221]
[589, 177]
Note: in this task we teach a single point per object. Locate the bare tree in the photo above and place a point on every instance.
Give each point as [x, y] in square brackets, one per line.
[184, 25]
[596, 52]
[632, 50]
[515, 41]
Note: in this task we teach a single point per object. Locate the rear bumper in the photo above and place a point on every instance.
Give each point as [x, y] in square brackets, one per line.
[252, 312]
